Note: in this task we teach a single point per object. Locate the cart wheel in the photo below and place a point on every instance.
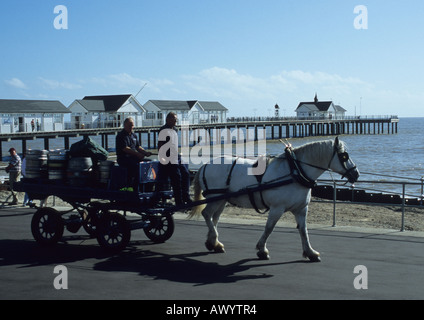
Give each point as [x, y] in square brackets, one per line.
[160, 228]
[113, 232]
[47, 226]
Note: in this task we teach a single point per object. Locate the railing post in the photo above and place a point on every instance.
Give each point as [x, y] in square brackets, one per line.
[334, 203]
[403, 208]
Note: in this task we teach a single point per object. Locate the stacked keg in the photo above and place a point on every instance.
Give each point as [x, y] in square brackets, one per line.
[105, 167]
[36, 164]
[57, 165]
[79, 171]
[59, 169]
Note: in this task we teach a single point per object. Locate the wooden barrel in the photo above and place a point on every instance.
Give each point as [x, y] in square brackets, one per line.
[104, 170]
[36, 164]
[57, 164]
[79, 171]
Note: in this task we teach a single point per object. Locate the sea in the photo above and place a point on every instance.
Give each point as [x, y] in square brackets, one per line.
[379, 157]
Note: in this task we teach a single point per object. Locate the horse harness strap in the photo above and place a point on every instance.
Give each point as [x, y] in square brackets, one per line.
[296, 170]
[231, 173]
[218, 191]
[249, 192]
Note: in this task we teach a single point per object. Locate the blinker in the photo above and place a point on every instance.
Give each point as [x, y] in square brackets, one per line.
[344, 156]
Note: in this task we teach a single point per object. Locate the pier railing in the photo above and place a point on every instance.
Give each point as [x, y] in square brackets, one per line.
[74, 125]
[347, 118]
[275, 128]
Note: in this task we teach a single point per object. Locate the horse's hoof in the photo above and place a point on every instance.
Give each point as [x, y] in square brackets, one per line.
[263, 255]
[219, 250]
[312, 258]
[209, 246]
[315, 259]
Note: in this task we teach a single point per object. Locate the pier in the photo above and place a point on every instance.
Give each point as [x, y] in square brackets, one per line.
[274, 128]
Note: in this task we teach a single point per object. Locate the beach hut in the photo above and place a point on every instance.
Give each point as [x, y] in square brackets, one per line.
[105, 111]
[193, 111]
[31, 115]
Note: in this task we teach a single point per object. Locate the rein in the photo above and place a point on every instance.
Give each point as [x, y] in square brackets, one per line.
[343, 157]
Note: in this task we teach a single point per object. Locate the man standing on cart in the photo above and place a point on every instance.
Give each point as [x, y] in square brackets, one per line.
[129, 153]
[170, 162]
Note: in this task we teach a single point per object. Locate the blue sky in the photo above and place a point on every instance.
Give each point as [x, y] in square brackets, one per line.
[246, 54]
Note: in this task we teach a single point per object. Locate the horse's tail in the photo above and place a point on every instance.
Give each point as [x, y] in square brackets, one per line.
[195, 211]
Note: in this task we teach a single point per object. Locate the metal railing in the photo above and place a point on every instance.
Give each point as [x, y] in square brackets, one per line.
[317, 118]
[364, 185]
[405, 197]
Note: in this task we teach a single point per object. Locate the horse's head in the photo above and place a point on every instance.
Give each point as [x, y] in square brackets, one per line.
[342, 164]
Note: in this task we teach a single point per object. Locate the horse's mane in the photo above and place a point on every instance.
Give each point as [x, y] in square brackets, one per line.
[319, 149]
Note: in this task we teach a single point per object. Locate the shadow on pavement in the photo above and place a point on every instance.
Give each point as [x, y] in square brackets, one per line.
[184, 268]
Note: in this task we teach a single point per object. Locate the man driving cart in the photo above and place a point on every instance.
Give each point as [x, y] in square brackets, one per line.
[129, 153]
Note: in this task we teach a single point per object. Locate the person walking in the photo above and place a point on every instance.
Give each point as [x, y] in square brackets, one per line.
[14, 170]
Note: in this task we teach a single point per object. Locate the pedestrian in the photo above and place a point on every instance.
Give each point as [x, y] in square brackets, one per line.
[32, 125]
[14, 170]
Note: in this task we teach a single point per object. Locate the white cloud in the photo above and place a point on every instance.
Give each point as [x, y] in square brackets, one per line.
[124, 80]
[17, 83]
[243, 93]
[126, 83]
[333, 84]
[221, 82]
[55, 84]
[319, 78]
[228, 83]
[120, 81]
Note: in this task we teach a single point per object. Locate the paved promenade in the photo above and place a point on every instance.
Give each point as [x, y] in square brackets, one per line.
[182, 269]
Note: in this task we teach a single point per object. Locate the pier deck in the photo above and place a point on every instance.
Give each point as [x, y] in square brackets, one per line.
[278, 129]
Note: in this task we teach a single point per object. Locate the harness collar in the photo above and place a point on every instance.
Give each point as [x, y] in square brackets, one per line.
[296, 170]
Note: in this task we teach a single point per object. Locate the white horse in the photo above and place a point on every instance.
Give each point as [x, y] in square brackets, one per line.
[295, 170]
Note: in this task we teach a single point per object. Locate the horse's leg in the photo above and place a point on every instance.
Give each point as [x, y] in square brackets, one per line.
[308, 252]
[209, 214]
[219, 247]
[273, 217]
